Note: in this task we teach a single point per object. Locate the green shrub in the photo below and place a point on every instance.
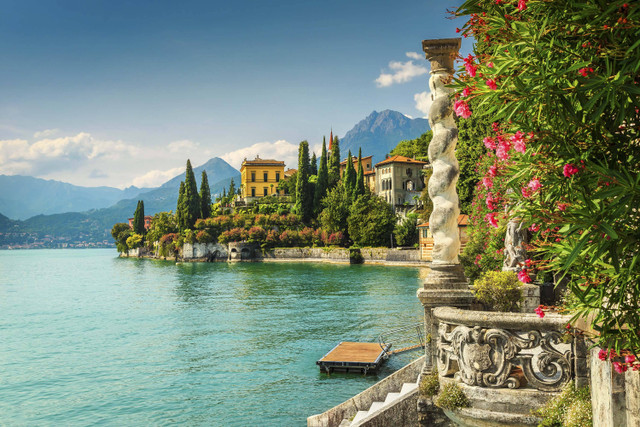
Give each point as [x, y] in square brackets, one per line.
[570, 408]
[430, 384]
[451, 397]
[499, 290]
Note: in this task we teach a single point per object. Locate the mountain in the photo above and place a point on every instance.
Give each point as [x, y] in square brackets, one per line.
[22, 197]
[380, 132]
[95, 225]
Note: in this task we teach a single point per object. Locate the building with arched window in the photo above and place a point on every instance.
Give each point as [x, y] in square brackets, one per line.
[399, 180]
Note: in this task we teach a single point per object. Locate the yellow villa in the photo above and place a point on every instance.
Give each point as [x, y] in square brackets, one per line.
[260, 177]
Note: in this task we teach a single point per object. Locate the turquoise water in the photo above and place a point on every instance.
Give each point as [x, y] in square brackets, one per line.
[87, 338]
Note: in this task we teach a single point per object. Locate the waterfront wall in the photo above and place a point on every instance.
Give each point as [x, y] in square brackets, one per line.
[210, 252]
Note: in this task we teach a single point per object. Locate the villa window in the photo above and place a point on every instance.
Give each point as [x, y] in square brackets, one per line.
[253, 192]
[266, 176]
[277, 176]
[265, 191]
[253, 177]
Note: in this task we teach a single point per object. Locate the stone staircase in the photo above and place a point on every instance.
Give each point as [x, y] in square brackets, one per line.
[377, 409]
[390, 402]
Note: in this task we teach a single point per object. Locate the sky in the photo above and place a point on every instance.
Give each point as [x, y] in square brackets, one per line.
[121, 93]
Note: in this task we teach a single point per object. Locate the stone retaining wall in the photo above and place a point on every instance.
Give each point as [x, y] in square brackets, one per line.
[362, 401]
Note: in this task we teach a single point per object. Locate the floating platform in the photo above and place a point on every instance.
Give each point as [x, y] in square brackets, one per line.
[354, 357]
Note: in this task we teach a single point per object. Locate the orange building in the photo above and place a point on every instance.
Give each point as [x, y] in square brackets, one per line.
[147, 222]
[366, 164]
[426, 238]
[260, 177]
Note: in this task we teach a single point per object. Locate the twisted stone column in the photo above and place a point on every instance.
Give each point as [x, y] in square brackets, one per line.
[445, 285]
[443, 221]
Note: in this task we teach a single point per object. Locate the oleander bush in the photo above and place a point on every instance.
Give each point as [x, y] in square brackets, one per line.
[560, 81]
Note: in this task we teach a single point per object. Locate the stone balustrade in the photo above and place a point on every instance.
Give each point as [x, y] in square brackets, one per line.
[508, 350]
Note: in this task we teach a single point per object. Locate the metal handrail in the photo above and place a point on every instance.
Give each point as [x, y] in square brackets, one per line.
[385, 339]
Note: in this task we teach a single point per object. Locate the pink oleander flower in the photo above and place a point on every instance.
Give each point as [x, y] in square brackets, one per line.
[462, 109]
[569, 170]
[467, 91]
[539, 311]
[584, 72]
[528, 262]
[492, 84]
[534, 227]
[487, 182]
[534, 184]
[523, 276]
[522, 4]
[518, 142]
[526, 192]
[630, 358]
[493, 170]
[490, 143]
[563, 206]
[620, 368]
[490, 201]
[503, 150]
[491, 219]
[603, 354]
[490, 64]
[471, 69]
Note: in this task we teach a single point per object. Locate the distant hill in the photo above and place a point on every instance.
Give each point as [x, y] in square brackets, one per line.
[95, 224]
[22, 197]
[380, 132]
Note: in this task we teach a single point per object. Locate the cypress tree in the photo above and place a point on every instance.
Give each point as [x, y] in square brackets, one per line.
[180, 208]
[205, 196]
[323, 181]
[349, 177]
[313, 166]
[304, 199]
[359, 187]
[334, 163]
[232, 190]
[191, 210]
[138, 219]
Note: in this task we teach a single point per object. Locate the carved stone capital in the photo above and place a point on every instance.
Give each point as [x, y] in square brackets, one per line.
[441, 53]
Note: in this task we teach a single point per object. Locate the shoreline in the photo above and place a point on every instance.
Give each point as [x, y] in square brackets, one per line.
[371, 256]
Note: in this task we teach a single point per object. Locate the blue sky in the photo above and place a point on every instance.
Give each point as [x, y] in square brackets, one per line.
[122, 92]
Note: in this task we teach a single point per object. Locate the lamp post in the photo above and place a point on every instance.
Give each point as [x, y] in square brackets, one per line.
[445, 285]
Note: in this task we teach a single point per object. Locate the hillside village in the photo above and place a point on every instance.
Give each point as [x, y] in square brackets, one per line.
[326, 201]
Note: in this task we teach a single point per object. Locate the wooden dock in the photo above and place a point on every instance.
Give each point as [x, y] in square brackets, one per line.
[354, 357]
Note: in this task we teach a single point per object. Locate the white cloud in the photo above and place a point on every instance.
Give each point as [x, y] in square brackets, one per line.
[407, 116]
[46, 133]
[402, 72]
[182, 146]
[279, 150]
[47, 155]
[423, 102]
[156, 178]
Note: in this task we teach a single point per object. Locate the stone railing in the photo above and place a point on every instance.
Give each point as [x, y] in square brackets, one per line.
[508, 350]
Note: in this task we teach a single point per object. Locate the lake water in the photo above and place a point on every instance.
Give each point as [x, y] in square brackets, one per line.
[87, 338]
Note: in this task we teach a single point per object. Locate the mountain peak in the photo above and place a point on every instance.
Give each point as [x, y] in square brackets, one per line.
[380, 132]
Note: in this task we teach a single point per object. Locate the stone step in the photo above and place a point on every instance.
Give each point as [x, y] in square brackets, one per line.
[391, 397]
[375, 406]
[345, 423]
[408, 388]
[359, 416]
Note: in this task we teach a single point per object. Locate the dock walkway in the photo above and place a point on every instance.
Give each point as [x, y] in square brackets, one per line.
[354, 356]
